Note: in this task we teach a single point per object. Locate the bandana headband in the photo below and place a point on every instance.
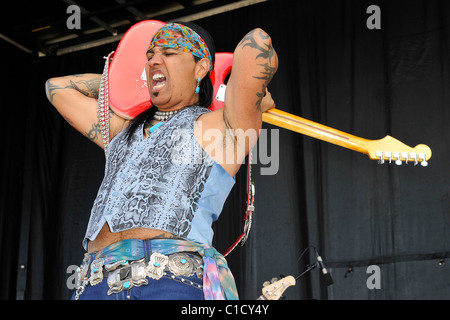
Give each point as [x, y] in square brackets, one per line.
[189, 41]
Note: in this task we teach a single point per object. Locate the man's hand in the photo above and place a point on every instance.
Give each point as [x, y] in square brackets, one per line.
[267, 102]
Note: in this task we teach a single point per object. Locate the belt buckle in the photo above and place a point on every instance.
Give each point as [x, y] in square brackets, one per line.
[83, 270]
[96, 271]
[156, 265]
[181, 264]
[127, 276]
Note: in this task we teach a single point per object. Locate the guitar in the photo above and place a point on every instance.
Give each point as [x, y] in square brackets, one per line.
[276, 289]
[128, 89]
[385, 149]
[129, 96]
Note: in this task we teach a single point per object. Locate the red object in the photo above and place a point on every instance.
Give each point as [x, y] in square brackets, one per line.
[222, 68]
[128, 88]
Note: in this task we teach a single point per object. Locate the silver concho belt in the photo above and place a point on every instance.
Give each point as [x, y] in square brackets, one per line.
[124, 274]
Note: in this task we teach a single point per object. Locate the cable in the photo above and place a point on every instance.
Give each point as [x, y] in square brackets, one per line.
[304, 251]
[309, 267]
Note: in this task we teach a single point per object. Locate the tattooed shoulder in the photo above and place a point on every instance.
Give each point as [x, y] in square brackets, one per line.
[259, 40]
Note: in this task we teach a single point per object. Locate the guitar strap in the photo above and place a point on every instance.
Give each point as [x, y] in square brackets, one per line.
[249, 210]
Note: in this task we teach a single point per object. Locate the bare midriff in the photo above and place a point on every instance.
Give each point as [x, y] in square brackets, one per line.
[106, 237]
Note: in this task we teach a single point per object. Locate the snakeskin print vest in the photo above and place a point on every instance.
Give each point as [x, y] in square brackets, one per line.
[165, 181]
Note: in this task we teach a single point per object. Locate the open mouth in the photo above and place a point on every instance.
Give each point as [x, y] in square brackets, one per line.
[158, 81]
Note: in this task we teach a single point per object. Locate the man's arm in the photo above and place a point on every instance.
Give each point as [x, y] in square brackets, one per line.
[75, 98]
[254, 64]
[246, 98]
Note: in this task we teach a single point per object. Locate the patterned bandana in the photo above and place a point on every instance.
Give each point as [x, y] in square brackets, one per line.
[177, 36]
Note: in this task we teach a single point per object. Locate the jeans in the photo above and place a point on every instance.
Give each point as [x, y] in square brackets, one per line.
[165, 288]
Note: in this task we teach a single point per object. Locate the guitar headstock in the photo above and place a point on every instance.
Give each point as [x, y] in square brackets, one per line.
[274, 290]
[392, 150]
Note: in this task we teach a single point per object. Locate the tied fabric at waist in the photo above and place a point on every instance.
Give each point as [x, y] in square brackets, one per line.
[218, 281]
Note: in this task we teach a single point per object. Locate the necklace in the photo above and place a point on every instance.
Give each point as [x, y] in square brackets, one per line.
[164, 115]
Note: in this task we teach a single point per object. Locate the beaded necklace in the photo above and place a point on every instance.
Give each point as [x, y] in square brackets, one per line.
[164, 115]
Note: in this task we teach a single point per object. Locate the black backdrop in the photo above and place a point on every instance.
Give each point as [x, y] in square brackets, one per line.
[333, 70]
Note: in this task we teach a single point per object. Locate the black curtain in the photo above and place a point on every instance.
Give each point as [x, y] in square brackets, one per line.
[357, 213]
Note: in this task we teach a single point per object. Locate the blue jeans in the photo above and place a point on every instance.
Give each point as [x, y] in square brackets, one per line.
[162, 289]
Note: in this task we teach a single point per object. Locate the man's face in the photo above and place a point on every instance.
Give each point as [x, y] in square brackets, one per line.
[171, 78]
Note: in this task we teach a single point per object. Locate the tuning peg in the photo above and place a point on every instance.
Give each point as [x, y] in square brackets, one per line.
[389, 155]
[267, 283]
[398, 161]
[424, 162]
[405, 155]
[414, 156]
[380, 155]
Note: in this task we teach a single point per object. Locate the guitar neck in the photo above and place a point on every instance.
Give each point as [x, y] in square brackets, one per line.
[316, 130]
[385, 149]
[275, 290]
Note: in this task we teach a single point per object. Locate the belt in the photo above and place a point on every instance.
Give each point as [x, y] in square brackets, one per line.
[124, 274]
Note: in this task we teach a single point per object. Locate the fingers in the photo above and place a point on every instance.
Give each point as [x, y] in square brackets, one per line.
[267, 102]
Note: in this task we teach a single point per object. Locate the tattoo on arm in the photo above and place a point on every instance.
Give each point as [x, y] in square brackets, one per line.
[249, 40]
[266, 52]
[50, 89]
[87, 87]
[95, 132]
[267, 75]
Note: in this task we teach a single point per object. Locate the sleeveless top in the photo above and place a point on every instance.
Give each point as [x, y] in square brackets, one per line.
[166, 181]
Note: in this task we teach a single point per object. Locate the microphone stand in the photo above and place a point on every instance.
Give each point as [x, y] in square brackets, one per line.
[318, 264]
[308, 269]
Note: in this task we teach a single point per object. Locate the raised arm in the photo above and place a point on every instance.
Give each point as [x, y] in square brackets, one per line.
[75, 98]
[246, 98]
[254, 65]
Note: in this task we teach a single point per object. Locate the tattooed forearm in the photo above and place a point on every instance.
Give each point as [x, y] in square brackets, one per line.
[95, 132]
[266, 74]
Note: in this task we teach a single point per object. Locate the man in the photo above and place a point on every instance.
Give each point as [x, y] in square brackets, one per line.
[150, 233]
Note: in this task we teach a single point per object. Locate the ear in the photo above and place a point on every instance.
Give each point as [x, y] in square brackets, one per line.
[202, 67]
